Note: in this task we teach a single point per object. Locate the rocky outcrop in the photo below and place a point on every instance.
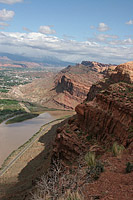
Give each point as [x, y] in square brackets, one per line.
[106, 120]
[96, 66]
[109, 116]
[105, 117]
[69, 143]
[121, 73]
[73, 90]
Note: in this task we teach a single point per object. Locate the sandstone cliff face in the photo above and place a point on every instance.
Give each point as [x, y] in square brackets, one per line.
[106, 120]
[69, 142]
[72, 85]
[121, 73]
[109, 116]
[105, 117]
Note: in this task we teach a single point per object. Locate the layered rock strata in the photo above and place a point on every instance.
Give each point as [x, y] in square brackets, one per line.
[105, 117]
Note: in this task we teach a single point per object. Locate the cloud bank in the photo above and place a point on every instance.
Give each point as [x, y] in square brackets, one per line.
[34, 44]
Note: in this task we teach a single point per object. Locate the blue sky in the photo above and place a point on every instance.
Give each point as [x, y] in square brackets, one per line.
[71, 30]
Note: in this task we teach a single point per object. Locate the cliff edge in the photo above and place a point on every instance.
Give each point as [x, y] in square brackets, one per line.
[103, 120]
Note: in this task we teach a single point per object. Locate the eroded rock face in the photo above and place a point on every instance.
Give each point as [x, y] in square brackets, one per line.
[109, 115]
[106, 120]
[106, 117]
[121, 73]
[71, 89]
[69, 142]
[96, 66]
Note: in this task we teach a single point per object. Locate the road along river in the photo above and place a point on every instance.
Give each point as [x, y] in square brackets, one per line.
[14, 135]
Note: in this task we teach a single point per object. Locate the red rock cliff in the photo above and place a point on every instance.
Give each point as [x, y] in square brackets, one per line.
[109, 115]
[106, 118]
[72, 83]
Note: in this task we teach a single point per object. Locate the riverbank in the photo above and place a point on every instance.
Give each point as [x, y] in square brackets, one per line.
[20, 110]
[15, 153]
[31, 163]
[21, 118]
[14, 135]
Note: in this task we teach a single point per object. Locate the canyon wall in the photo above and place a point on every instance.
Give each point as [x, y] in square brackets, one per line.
[105, 117]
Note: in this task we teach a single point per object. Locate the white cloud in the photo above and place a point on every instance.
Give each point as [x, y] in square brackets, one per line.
[10, 1]
[39, 45]
[130, 22]
[104, 37]
[46, 30]
[127, 41]
[6, 15]
[108, 39]
[103, 27]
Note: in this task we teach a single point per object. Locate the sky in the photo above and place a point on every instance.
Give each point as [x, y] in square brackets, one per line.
[70, 30]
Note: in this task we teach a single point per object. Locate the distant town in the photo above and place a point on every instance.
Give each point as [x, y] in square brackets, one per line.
[11, 76]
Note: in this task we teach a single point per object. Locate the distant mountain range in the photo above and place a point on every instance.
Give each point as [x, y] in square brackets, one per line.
[47, 60]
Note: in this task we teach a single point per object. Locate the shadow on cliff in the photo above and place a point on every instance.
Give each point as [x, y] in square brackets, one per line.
[34, 169]
[64, 85]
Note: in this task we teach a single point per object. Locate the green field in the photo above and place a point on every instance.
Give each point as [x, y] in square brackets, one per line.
[4, 90]
[9, 108]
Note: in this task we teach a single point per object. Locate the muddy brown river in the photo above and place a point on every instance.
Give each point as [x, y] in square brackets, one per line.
[14, 135]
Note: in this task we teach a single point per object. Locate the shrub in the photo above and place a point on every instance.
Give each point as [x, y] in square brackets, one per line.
[131, 129]
[90, 159]
[129, 167]
[68, 131]
[95, 167]
[93, 172]
[57, 185]
[89, 137]
[117, 149]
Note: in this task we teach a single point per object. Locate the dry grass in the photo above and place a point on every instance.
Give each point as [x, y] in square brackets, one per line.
[90, 159]
[71, 196]
[117, 149]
